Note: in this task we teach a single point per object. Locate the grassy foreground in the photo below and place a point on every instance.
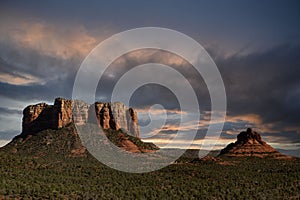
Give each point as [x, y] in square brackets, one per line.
[85, 178]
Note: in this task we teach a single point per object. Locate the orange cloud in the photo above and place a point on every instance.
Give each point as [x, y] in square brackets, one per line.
[56, 40]
[183, 127]
[253, 118]
[159, 111]
[153, 55]
[53, 40]
[19, 79]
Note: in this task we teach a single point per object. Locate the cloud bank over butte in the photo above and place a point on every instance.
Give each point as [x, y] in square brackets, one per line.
[256, 51]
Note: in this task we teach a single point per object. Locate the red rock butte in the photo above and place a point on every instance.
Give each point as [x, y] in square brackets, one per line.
[249, 143]
[114, 116]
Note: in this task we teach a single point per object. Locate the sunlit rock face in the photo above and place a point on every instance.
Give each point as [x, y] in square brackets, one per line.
[63, 112]
[132, 122]
[249, 143]
[107, 115]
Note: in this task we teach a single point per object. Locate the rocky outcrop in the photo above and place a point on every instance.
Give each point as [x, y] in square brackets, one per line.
[38, 117]
[108, 115]
[115, 116]
[249, 143]
[80, 112]
[63, 111]
[132, 122]
[118, 111]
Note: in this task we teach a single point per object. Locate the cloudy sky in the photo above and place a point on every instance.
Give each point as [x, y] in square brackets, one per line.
[255, 45]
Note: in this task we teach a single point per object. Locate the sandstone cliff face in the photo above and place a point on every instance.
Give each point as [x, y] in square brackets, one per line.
[249, 143]
[132, 122]
[38, 117]
[63, 111]
[118, 111]
[80, 112]
[109, 115]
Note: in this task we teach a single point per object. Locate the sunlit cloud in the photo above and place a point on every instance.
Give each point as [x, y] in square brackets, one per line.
[217, 144]
[286, 146]
[19, 79]
[160, 111]
[251, 118]
[188, 126]
[52, 40]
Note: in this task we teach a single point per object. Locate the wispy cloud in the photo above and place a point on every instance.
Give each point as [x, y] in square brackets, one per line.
[19, 79]
[52, 40]
[9, 111]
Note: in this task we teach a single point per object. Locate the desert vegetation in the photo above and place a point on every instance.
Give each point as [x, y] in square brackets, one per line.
[61, 177]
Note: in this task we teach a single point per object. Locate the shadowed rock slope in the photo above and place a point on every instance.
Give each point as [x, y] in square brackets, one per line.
[66, 142]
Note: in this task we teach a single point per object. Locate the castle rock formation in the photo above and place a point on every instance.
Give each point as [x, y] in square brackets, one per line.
[108, 115]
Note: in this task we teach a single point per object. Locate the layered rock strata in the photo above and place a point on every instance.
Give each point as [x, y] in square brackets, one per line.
[249, 143]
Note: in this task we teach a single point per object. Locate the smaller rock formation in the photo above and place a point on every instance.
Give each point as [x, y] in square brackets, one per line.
[249, 143]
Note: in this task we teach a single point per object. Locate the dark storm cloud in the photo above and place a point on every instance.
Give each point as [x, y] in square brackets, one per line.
[266, 83]
[31, 61]
[282, 137]
[150, 94]
[8, 111]
[7, 68]
[52, 76]
[55, 76]
[45, 92]
[39, 60]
